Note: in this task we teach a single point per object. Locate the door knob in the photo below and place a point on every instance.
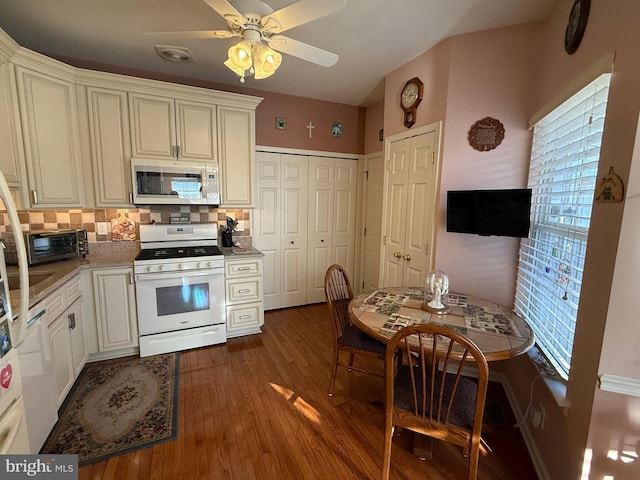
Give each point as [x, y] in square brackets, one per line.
[397, 255]
[407, 257]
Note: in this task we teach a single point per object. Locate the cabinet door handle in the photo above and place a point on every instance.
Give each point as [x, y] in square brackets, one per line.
[244, 269]
[34, 196]
[179, 151]
[244, 317]
[131, 198]
[244, 290]
[292, 242]
[130, 278]
[72, 320]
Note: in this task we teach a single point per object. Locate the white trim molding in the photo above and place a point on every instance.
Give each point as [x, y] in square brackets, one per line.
[617, 384]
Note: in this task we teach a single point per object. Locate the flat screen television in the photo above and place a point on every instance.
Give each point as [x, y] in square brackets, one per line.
[489, 212]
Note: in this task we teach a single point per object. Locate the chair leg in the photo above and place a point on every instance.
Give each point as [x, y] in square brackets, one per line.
[332, 382]
[386, 452]
[473, 462]
[352, 357]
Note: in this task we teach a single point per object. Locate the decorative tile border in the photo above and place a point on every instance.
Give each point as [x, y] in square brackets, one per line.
[89, 218]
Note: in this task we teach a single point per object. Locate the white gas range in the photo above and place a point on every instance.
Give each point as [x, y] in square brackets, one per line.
[180, 293]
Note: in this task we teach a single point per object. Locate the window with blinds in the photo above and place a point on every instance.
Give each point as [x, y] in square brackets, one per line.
[562, 176]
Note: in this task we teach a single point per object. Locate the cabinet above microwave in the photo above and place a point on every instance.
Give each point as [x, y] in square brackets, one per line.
[166, 182]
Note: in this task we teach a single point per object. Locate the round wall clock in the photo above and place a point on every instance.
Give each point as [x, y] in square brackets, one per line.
[576, 25]
[410, 98]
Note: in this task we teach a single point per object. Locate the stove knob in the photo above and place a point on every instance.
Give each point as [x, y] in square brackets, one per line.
[208, 264]
[149, 268]
[179, 266]
[160, 268]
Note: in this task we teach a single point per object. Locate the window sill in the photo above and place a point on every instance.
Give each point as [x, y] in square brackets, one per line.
[557, 385]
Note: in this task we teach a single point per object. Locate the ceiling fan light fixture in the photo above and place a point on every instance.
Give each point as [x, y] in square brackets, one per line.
[266, 61]
[240, 55]
[238, 71]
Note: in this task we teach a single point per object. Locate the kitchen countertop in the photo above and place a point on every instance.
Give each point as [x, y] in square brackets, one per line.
[232, 252]
[111, 254]
[118, 255]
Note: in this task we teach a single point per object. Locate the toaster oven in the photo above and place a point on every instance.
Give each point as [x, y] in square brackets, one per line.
[48, 246]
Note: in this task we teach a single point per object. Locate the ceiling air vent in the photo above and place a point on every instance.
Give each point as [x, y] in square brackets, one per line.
[174, 54]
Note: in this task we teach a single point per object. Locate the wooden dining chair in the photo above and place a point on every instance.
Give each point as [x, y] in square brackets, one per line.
[430, 396]
[347, 337]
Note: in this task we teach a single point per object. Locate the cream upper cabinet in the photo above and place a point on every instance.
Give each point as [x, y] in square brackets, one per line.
[236, 137]
[51, 139]
[110, 146]
[167, 128]
[9, 128]
[410, 210]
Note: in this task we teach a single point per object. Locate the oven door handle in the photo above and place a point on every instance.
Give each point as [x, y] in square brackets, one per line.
[141, 277]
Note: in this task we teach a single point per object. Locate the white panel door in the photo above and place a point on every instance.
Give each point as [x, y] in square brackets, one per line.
[345, 189]
[392, 268]
[420, 209]
[320, 226]
[373, 222]
[410, 212]
[267, 225]
[293, 186]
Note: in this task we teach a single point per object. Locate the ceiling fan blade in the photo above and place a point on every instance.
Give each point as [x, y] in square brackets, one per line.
[302, 50]
[298, 13]
[227, 11]
[195, 34]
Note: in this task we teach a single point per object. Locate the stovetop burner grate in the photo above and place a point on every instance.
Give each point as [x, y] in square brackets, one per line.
[178, 252]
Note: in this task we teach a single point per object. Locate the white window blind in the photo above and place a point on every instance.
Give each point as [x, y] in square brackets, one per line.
[562, 176]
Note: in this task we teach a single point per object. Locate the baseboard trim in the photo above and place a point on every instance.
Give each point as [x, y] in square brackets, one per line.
[532, 448]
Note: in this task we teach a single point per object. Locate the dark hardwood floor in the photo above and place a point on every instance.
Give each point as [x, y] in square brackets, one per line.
[257, 408]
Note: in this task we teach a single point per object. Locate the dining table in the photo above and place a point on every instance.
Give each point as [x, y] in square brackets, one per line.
[498, 331]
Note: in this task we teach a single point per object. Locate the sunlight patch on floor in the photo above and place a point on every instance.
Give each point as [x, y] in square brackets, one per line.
[298, 403]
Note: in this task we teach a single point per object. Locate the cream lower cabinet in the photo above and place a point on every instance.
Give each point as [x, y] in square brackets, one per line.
[115, 308]
[65, 318]
[243, 292]
[51, 138]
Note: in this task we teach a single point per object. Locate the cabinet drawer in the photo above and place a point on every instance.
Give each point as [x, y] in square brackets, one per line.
[55, 304]
[244, 317]
[73, 289]
[243, 290]
[246, 267]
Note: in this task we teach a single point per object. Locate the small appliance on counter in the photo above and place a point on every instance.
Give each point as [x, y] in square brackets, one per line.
[48, 245]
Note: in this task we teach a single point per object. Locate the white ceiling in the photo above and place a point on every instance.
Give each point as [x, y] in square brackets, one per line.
[371, 37]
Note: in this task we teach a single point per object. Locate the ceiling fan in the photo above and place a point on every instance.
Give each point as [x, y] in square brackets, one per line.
[260, 28]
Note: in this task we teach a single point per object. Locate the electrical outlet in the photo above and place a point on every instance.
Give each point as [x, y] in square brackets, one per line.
[240, 226]
[102, 228]
[537, 417]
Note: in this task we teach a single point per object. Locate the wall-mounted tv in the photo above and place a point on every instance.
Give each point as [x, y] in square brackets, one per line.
[489, 212]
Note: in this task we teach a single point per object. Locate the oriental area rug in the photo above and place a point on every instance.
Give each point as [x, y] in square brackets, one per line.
[116, 407]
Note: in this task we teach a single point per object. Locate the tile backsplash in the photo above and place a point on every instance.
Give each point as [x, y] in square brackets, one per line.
[88, 218]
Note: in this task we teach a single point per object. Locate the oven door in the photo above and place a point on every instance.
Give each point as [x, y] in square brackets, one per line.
[179, 300]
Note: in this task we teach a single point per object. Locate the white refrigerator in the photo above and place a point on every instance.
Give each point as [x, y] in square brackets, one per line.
[13, 426]
[27, 395]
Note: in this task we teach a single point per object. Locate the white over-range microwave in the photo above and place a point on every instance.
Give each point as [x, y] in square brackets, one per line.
[168, 182]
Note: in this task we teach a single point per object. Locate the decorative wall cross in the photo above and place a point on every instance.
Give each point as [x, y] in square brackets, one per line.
[310, 127]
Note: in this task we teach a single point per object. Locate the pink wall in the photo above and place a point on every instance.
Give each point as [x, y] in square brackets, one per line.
[495, 90]
[509, 74]
[373, 124]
